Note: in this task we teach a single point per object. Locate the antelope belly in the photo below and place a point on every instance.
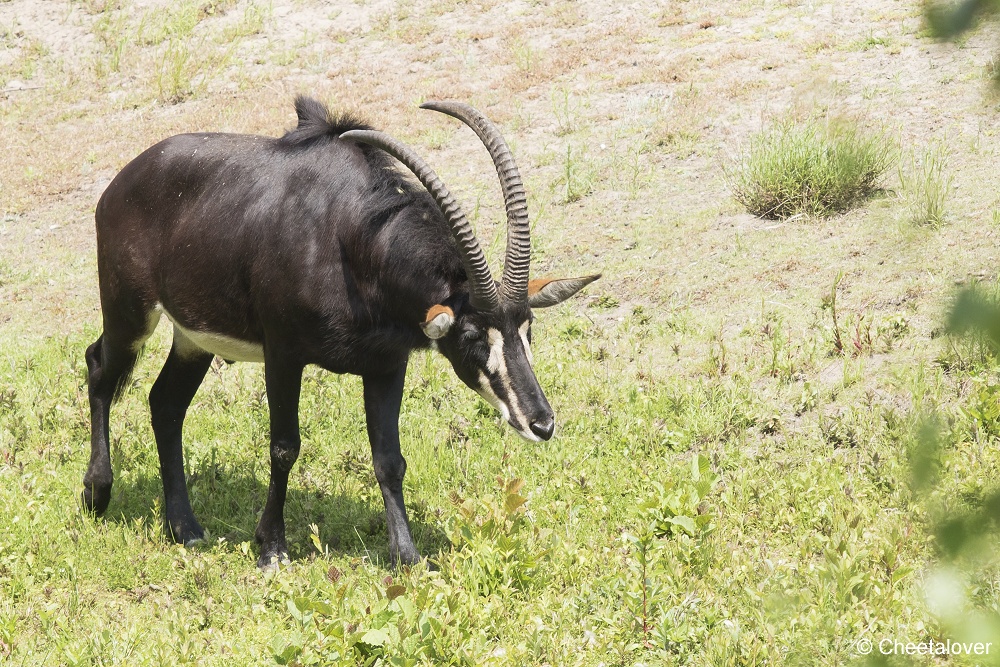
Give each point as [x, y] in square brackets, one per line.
[229, 348]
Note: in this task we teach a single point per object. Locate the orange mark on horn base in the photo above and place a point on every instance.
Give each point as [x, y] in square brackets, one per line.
[537, 285]
[437, 310]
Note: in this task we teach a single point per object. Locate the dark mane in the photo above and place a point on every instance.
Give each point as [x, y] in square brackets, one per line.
[391, 190]
[317, 123]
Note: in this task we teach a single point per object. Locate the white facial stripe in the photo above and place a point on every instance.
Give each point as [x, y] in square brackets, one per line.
[523, 330]
[496, 362]
[519, 421]
[486, 391]
[497, 366]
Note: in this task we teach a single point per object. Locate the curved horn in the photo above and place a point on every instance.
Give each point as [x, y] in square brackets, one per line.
[481, 286]
[514, 285]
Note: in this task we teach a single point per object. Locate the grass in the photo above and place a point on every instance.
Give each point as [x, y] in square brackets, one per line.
[729, 484]
[811, 167]
[926, 185]
[577, 178]
[670, 570]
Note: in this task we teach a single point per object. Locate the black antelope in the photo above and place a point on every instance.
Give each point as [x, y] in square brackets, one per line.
[307, 249]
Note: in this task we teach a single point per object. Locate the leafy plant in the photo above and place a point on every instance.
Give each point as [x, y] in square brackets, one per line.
[680, 509]
[577, 178]
[830, 302]
[494, 546]
[812, 168]
[404, 625]
[861, 334]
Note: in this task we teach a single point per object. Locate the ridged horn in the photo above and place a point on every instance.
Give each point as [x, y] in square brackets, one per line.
[483, 291]
[514, 285]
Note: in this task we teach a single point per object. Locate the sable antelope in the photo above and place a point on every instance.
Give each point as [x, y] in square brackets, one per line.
[307, 249]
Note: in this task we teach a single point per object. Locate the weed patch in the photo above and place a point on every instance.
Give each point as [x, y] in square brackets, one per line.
[495, 549]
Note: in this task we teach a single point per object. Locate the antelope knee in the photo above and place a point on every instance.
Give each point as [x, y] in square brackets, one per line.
[284, 454]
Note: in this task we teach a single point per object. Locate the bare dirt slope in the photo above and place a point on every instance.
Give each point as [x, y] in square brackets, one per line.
[622, 117]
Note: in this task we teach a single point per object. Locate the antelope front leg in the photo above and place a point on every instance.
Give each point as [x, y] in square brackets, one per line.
[283, 384]
[383, 396]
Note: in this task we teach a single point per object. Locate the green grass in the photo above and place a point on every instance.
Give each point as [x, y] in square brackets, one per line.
[926, 185]
[709, 554]
[813, 168]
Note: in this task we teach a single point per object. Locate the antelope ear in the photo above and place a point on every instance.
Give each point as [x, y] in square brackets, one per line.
[546, 292]
[438, 322]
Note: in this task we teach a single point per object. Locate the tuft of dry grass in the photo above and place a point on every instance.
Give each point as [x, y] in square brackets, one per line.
[925, 184]
[811, 168]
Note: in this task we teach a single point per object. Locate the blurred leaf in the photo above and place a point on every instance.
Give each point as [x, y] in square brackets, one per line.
[925, 457]
[974, 312]
[286, 649]
[685, 522]
[513, 503]
[953, 534]
[700, 467]
[948, 21]
[375, 638]
[515, 485]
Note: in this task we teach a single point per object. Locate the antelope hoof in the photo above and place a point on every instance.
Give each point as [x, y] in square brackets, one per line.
[272, 559]
[96, 498]
[185, 531]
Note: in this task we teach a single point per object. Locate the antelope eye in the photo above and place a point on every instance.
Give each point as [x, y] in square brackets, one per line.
[470, 335]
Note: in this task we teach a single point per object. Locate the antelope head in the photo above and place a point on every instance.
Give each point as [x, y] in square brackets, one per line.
[486, 334]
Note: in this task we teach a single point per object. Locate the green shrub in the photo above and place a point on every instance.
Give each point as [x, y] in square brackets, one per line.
[811, 168]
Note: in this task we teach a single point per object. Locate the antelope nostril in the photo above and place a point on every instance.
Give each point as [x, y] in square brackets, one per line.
[543, 428]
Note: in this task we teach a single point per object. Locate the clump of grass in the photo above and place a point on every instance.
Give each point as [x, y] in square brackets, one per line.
[577, 178]
[925, 185]
[115, 32]
[812, 168]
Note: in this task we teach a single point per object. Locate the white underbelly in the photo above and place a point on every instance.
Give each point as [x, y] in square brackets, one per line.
[188, 341]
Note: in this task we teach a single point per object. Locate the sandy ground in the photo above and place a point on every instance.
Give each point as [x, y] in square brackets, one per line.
[642, 103]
